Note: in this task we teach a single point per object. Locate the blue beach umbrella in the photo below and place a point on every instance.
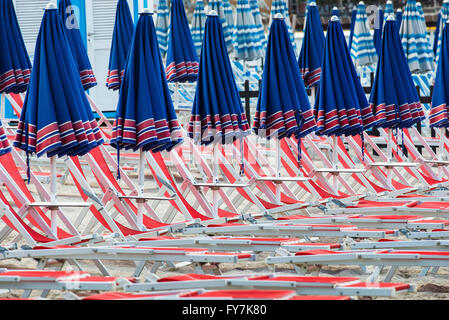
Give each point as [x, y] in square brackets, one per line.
[217, 112]
[398, 19]
[15, 65]
[146, 118]
[163, 26]
[229, 14]
[439, 112]
[442, 18]
[217, 5]
[335, 12]
[247, 46]
[437, 34]
[351, 27]
[394, 100]
[76, 45]
[280, 6]
[283, 108]
[260, 33]
[417, 47]
[56, 118]
[5, 147]
[378, 28]
[121, 40]
[362, 47]
[312, 48]
[389, 10]
[341, 107]
[182, 60]
[198, 24]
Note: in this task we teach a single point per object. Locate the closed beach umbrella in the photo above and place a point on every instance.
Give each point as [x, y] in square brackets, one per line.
[417, 47]
[182, 60]
[229, 15]
[442, 18]
[76, 45]
[312, 48]
[56, 118]
[198, 24]
[146, 119]
[378, 28]
[341, 106]
[162, 26]
[260, 34]
[351, 27]
[283, 108]
[280, 6]
[362, 47]
[121, 40]
[439, 112]
[335, 12]
[246, 43]
[437, 34]
[398, 19]
[15, 65]
[217, 5]
[389, 10]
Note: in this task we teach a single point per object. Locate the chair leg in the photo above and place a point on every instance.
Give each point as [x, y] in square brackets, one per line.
[139, 268]
[390, 273]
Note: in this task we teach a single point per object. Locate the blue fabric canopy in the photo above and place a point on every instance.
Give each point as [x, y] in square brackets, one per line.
[398, 19]
[351, 27]
[260, 33]
[182, 60]
[437, 34]
[247, 45]
[312, 48]
[393, 98]
[198, 24]
[121, 40]
[378, 28]
[283, 107]
[5, 147]
[439, 112]
[76, 45]
[362, 47]
[217, 112]
[15, 65]
[229, 15]
[163, 26]
[335, 12]
[146, 118]
[389, 10]
[341, 107]
[417, 47]
[280, 6]
[218, 6]
[442, 18]
[56, 118]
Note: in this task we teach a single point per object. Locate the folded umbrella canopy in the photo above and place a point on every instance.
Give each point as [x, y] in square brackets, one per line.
[389, 10]
[198, 24]
[15, 65]
[76, 45]
[229, 15]
[283, 108]
[121, 40]
[247, 46]
[260, 33]
[218, 6]
[437, 33]
[378, 28]
[335, 12]
[217, 112]
[280, 6]
[312, 48]
[442, 18]
[417, 47]
[182, 60]
[362, 47]
[398, 19]
[5, 147]
[162, 25]
[146, 119]
[351, 27]
[439, 111]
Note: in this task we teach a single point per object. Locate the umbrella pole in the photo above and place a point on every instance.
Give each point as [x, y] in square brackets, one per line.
[140, 202]
[335, 159]
[215, 177]
[278, 169]
[441, 150]
[389, 155]
[313, 93]
[53, 211]
[177, 94]
[2, 108]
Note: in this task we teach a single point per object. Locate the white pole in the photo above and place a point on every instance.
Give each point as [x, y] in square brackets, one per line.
[278, 168]
[2, 108]
[215, 177]
[177, 95]
[141, 178]
[441, 151]
[389, 156]
[335, 160]
[53, 212]
[313, 92]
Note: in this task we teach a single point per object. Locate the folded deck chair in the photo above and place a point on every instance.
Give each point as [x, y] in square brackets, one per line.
[303, 285]
[378, 258]
[49, 280]
[157, 255]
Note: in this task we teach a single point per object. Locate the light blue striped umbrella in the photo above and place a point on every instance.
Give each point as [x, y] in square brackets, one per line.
[229, 14]
[162, 26]
[246, 44]
[218, 6]
[444, 16]
[198, 24]
[254, 4]
[389, 10]
[280, 6]
[362, 48]
[417, 47]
